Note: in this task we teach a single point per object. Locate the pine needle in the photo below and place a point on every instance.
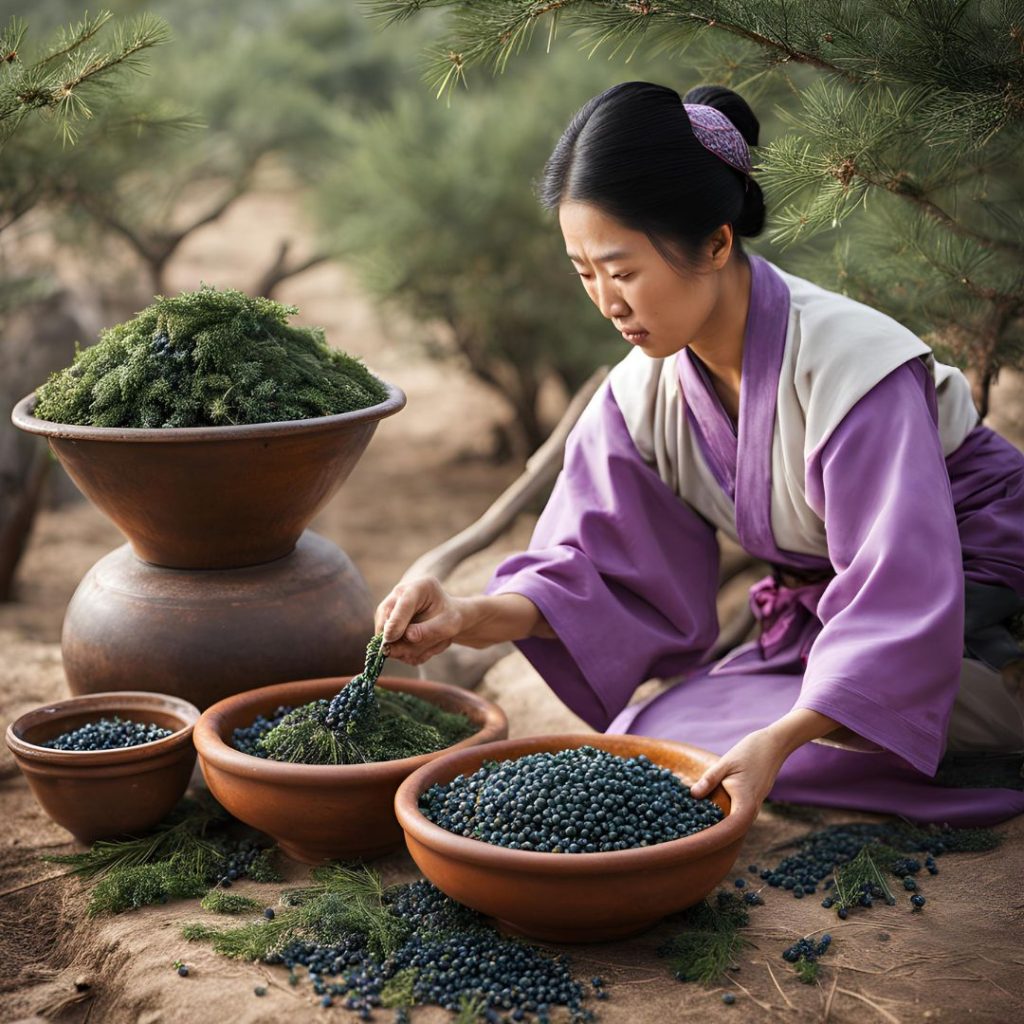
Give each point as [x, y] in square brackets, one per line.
[471, 1009]
[868, 869]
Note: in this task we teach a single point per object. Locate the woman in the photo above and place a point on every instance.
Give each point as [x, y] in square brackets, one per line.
[818, 433]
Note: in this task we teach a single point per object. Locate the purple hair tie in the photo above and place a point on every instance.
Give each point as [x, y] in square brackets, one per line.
[718, 135]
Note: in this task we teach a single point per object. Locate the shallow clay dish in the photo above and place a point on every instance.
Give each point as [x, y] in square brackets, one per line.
[100, 794]
[323, 812]
[571, 897]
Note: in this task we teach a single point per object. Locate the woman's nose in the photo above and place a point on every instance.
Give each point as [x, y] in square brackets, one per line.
[611, 303]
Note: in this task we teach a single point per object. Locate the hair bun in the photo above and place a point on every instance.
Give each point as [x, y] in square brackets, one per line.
[731, 104]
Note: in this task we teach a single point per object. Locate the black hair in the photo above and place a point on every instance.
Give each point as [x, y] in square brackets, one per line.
[632, 153]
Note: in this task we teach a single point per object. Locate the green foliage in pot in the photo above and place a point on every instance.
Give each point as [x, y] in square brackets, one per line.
[207, 358]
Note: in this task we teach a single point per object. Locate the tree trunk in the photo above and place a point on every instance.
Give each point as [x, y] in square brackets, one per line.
[20, 489]
[37, 339]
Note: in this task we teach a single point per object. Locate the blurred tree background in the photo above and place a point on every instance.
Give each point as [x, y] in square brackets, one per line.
[898, 119]
[912, 119]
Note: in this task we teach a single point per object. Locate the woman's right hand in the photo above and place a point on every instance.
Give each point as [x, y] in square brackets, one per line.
[419, 620]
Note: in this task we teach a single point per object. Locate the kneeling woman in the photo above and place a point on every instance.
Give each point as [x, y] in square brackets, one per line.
[819, 434]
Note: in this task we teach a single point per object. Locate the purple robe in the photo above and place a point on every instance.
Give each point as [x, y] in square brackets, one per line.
[625, 573]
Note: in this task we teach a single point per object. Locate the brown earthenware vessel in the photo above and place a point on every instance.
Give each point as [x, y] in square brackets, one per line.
[204, 634]
[220, 590]
[323, 812]
[212, 497]
[102, 794]
[564, 897]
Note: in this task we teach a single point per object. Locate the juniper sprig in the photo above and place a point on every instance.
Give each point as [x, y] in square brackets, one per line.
[710, 940]
[360, 724]
[221, 902]
[180, 859]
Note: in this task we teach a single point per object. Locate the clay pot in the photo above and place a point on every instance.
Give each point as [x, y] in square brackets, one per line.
[212, 497]
[220, 590]
[322, 812]
[102, 794]
[561, 897]
[206, 634]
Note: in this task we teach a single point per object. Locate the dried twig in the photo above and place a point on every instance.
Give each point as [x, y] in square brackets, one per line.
[38, 881]
[870, 1002]
[750, 995]
[828, 1001]
[777, 985]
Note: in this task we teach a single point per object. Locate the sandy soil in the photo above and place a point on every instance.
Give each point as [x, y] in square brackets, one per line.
[421, 480]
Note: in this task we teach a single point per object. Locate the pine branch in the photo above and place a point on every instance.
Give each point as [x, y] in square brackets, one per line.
[59, 81]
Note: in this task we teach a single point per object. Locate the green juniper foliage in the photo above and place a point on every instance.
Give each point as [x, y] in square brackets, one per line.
[363, 723]
[870, 867]
[221, 902]
[207, 358]
[807, 970]
[710, 941]
[179, 859]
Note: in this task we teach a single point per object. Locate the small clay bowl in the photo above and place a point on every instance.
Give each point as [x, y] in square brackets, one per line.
[102, 794]
[323, 812]
[571, 897]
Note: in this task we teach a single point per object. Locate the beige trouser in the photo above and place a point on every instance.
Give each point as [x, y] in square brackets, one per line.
[989, 711]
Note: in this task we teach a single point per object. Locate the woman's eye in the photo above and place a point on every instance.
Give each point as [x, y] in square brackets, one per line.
[621, 277]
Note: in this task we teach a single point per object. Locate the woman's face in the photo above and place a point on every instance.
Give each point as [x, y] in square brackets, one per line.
[653, 304]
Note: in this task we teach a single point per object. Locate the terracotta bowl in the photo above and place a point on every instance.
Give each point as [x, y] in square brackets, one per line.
[100, 794]
[562, 897]
[323, 812]
[212, 497]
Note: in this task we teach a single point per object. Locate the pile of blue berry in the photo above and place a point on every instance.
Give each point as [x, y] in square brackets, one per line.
[247, 739]
[108, 734]
[583, 800]
[807, 949]
[450, 955]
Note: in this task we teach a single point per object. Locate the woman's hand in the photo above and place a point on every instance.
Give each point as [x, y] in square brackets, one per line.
[748, 770]
[419, 620]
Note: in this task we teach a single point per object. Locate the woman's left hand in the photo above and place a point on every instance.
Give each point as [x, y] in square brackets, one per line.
[747, 772]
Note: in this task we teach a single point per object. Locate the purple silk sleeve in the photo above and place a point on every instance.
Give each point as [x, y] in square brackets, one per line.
[887, 661]
[622, 570]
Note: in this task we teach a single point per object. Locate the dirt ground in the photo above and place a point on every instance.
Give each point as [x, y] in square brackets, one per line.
[421, 480]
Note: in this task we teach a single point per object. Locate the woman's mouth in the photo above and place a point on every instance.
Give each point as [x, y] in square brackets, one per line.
[634, 337]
